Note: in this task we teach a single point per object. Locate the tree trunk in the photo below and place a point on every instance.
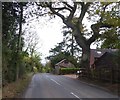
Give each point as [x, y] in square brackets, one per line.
[82, 42]
[86, 57]
[85, 60]
[19, 42]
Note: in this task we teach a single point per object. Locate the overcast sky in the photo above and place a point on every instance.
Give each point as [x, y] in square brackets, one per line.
[49, 33]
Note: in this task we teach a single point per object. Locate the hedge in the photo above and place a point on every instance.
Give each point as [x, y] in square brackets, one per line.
[68, 70]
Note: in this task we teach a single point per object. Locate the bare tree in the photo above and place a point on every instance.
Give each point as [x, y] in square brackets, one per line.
[31, 42]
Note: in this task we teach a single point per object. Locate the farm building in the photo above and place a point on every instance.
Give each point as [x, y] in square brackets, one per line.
[63, 64]
[95, 54]
[108, 59]
[107, 67]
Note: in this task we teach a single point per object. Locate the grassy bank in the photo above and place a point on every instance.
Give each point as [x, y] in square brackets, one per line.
[16, 88]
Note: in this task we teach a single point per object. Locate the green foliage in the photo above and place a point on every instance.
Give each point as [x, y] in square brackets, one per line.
[35, 61]
[69, 43]
[11, 58]
[43, 70]
[9, 37]
[111, 39]
[68, 70]
[48, 67]
[35, 69]
[109, 13]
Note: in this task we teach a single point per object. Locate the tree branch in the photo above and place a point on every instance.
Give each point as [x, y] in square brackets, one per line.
[53, 10]
[69, 19]
[67, 5]
[62, 8]
[95, 28]
[71, 15]
[81, 3]
[83, 10]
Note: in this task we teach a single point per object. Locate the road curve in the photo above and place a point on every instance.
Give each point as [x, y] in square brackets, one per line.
[45, 85]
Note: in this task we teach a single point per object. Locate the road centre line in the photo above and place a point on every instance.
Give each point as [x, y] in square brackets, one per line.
[74, 95]
[55, 81]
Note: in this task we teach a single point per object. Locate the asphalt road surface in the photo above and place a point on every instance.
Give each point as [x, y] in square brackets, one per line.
[46, 85]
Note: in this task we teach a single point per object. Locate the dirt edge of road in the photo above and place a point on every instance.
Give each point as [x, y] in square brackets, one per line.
[112, 88]
[14, 90]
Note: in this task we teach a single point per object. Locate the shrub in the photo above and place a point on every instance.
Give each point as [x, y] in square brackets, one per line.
[68, 70]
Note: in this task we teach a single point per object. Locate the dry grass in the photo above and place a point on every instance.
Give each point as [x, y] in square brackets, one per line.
[14, 89]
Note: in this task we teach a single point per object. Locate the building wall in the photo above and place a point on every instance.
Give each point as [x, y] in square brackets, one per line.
[57, 70]
[66, 64]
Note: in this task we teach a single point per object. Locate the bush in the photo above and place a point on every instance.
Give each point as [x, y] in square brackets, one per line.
[68, 70]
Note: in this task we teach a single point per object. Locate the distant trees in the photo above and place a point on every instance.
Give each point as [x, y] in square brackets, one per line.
[47, 68]
[70, 44]
[67, 49]
[31, 42]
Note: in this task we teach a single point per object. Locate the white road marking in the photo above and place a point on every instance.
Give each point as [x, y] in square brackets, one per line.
[55, 81]
[74, 95]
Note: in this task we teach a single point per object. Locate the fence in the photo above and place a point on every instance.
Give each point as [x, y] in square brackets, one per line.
[103, 74]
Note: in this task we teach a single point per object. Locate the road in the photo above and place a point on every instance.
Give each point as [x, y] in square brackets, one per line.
[46, 85]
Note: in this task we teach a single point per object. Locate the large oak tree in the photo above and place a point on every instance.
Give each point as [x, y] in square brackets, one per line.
[73, 14]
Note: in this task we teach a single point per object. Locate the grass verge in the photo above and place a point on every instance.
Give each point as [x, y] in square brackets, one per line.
[15, 89]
